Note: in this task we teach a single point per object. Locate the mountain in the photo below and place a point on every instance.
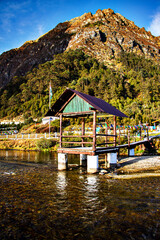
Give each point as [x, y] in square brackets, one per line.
[102, 36]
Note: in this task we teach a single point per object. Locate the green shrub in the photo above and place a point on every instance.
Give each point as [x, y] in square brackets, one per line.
[43, 144]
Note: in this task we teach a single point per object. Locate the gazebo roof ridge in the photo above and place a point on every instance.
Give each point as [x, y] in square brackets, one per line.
[97, 103]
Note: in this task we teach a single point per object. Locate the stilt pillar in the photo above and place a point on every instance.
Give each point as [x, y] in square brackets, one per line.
[62, 161]
[131, 152]
[92, 164]
[83, 160]
[112, 159]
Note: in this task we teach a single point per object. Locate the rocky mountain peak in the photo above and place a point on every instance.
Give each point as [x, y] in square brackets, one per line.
[102, 35]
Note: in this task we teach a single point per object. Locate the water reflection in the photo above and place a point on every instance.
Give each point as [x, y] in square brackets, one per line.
[92, 184]
[61, 181]
[28, 156]
[73, 205]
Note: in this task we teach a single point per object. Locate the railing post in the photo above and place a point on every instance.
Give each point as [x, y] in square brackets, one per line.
[128, 138]
[83, 130]
[119, 136]
[114, 131]
[60, 138]
[94, 130]
[106, 132]
[147, 134]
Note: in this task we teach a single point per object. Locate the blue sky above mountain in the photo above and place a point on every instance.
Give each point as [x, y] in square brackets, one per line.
[23, 20]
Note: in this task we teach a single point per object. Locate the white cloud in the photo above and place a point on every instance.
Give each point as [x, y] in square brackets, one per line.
[9, 13]
[155, 25]
[40, 30]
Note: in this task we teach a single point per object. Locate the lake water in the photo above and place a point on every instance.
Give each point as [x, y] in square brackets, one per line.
[39, 202]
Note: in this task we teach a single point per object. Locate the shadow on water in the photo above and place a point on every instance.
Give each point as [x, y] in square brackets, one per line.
[39, 202]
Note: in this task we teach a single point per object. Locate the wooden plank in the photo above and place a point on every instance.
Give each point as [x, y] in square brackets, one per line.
[106, 150]
[79, 142]
[76, 152]
[99, 144]
[80, 136]
[106, 135]
[77, 114]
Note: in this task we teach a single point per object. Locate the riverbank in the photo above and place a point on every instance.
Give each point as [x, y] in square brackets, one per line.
[137, 167]
[28, 144]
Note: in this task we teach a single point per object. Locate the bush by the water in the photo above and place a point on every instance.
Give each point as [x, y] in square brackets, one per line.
[44, 143]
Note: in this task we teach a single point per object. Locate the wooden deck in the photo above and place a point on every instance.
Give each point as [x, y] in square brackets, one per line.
[87, 150]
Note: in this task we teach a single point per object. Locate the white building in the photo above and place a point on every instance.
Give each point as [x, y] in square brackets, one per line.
[47, 119]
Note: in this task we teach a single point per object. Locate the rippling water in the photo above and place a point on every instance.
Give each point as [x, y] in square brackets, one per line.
[39, 202]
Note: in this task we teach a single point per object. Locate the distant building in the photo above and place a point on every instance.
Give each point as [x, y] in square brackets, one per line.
[48, 118]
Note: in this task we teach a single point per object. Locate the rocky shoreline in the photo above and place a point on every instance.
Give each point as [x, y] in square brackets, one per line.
[137, 167]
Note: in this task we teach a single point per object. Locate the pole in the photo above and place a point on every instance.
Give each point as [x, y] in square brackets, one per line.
[83, 130]
[114, 131]
[49, 126]
[49, 96]
[60, 138]
[94, 130]
[106, 131]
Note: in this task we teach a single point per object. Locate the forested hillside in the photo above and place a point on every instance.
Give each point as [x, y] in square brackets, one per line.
[132, 85]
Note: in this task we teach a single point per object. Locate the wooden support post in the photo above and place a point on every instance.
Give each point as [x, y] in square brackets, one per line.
[60, 138]
[140, 138]
[94, 130]
[147, 134]
[83, 130]
[140, 134]
[106, 132]
[114, 131]
[107, 163]
[119, 136]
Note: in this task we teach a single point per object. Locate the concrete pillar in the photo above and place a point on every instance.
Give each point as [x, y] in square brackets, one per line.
[83, 160]
[92, 164]
[62, 161]
[131, 152]
[112, 159]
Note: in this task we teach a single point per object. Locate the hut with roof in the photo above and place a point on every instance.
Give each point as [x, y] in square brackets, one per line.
[79, 105]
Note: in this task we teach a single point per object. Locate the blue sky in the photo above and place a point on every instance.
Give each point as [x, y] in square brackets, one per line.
[23, 20]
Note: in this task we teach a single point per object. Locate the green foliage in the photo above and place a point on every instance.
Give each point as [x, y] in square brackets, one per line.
[44, 144]
[98, 23]
[134, 89]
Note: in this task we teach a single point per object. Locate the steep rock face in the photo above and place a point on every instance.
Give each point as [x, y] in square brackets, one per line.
[102, 35]
[17, 62]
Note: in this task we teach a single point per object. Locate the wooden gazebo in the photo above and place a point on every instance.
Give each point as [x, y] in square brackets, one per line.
[76, 104]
